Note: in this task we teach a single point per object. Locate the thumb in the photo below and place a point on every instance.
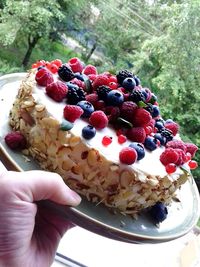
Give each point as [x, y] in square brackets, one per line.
[34, 186]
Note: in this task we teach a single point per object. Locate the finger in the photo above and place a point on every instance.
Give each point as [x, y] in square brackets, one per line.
[33, 186]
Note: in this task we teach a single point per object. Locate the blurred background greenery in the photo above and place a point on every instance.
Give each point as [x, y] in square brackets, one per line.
[158, 40]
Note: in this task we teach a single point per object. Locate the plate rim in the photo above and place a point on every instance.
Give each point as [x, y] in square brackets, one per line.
[108, 230]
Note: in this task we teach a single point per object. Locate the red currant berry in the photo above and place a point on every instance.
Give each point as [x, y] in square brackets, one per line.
[188, 156]
[193, 164]
[170, 168]
[57, 62]
[122, 139]
[113, 85]
[107, 140]
[53, 68]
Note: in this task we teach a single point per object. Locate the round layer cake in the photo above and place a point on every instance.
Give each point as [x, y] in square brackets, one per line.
[103, 133]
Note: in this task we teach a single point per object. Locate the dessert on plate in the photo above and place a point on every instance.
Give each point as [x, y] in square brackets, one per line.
[103, 133]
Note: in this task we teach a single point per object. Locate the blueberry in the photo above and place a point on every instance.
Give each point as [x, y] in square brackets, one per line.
[88, 132]
[159, 125]
[161, 138]
[79, 76]
[129, 83]
[158, 212]
[150, 143]
[115, 98]
[137, 80]
[87, 108]
[72, 85]
[155, 111]
[169, 121]
[139, 149]
[145, 94]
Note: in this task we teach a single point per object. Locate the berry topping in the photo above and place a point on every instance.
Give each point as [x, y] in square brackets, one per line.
[101, 79]
[88, 132]
[87, 108]
[65, 73]
[106, 140]
[170, 168]
[43, 77]
[92, 98]
[161, 138]
[193, 164]
[57, 90]
[136, 96]
[15, 140]
[169, 156]
[102, 92]
[75, 64]
[74, 95]
[90, 69]
[98, 119]
[182, 157]
[122, 75]
[72, 112]
[177, 144]
[167, 134]
[115, 98]
[155, 111]
[137, 80]
[128, 155]
[141, 117]
[139, 149]
[127, 110]
[129, 84]
[136, 134]
[158, 212]
[173, 127]
[151, 143]
[191, 148]
[121, 139]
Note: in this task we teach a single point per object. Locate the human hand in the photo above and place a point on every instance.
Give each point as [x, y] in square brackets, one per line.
[30, 233]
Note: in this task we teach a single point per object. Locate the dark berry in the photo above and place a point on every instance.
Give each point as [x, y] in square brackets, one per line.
[155, 111]
[129, 83]
[139, 149]
[150, 143]
[79, 76]
[161, 138]
[75, 95]
[122, 75]
[158, 212]
[115, 98]
[159, 125]
[65, 73]
[167, 134]
[102, 92]
[137, 80]
[153, 99]
[87, 108]
[136, 96]
[88, 132]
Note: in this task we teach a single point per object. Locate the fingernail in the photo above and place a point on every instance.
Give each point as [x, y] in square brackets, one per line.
[75, 197]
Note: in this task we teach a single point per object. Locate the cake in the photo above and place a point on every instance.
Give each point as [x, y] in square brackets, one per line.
[103, 133]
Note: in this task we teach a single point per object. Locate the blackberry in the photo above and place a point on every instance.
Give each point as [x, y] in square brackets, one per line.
[122, 75]
[149, 108]
[75, 95]
[102, 92]
[136, 96]
[166, 133]
[65, 73]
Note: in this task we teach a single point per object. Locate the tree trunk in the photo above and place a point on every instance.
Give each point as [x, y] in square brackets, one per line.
[31, 44]
[88, 56]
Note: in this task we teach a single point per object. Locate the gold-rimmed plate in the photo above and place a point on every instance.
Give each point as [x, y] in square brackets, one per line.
[182, 216]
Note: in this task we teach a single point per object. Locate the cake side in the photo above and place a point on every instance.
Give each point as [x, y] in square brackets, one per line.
[83, 167]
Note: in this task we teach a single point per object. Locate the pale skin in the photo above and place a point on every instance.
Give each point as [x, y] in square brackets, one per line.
[30, 233]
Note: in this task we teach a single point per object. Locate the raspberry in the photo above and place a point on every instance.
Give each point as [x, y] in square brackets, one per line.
[173, 127]
[128, 109]
[78, 82]
[92, 77]
[98, 119]
[92, 98]
[72, 112]
[182, 157]
[136, 134]
[15, 140]
[57, 91]
[177, 144]
[141, 117]
[191, 148]
[43, 77]
[90, 69]
[128, 155]
[101, 79]
[170, 155]
[75, 64]
[112, 113]
[57, 62]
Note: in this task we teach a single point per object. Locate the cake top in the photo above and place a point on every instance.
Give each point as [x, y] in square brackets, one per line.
[117, 102]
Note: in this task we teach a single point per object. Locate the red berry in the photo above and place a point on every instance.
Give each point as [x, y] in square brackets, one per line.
[92, 98]
[191, 148]
[173, 127]
[34, 66]
[127, 110]
[182, 157]
[113, 85]
[15, 140]
[92, 77]
[57, 90]
[121, 139]
[128, 155]
[90, 69]
[176, 144]
[101, 79]
[188, 156]
[107, 140]
[53, 68]
[43, 77]
[170, 168]
[136, 134]
[72, 112]
[57, 62]
[98, 119]
[113, 79]
[141, 117]
[193, 164]
[170, 155]
[148, 130]
[75, 64]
